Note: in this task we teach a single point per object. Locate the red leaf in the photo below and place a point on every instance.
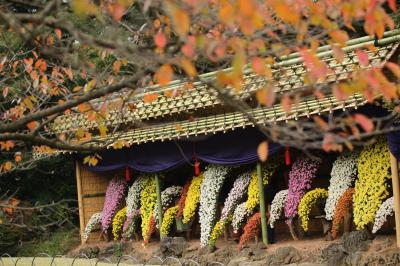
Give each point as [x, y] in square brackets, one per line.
[160, 40]
[392, 4]
[362, 57]
[258, 65]
[58, 33]
[364, 122]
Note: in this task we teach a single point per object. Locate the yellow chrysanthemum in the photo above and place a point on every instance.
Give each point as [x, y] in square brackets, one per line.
[192, 198]
[370, 188]
[168, 220]
[217, 232]
[148, 198]
[307, 202]
[118, 222]
[253, 199]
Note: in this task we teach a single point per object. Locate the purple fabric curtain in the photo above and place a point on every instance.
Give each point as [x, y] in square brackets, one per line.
[233, 148]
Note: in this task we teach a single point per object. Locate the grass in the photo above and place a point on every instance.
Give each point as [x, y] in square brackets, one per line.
[57, 243]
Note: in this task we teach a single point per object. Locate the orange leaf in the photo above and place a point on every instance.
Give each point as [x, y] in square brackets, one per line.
[262, 151]
[266, 96]
[286, 103]
[321, 122]
[258, 65]
[160, 40]
[7, 166]
[164, 75]
[182, 22]
[362, 57]
[364, 122]
[394, 68]
[339, 36]
[188, 67]
[6, 145]
[17, 157]
[32, 125]
[150, 97]
[41, 65]
[69, 73]
[116, 66]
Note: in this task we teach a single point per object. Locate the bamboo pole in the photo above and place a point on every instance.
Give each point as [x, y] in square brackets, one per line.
[159, 205]
[396, 195]
[80, 200]
[262, 206]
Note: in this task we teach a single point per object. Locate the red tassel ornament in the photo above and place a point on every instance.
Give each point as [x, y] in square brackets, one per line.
[287, 156]
[196, 168]
[128, 175]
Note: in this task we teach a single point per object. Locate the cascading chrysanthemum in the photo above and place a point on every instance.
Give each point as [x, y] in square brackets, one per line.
[300, 178]
[94, 221]
[114, 194]
[277, 206]
[168, 198]
[214, 178]
[239, 215]
[371, 186]
[343, 174]
[385, 210]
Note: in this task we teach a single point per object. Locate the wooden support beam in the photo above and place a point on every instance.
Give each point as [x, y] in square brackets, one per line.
[159, 205]
[396, 194]
[262, 206]
[80, 199]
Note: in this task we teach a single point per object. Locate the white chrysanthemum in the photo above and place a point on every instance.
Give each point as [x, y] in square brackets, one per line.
[168, 197]
[236, 194]
[214, 178]
[344, 171]
[239, 215]
[93, 223]
[385, 210]
[277, 205]
[133, 198]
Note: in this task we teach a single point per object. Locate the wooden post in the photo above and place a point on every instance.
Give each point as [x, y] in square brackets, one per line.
[396, 195]
[80, 200]
[262, 206]
[159, 205]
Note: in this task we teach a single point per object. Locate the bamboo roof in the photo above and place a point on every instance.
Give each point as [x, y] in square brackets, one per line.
[287, 76]
[231, 121]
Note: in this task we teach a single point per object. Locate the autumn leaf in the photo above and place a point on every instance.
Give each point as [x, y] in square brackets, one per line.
[339, 36]
[164, 75]
[321, 122]
[32, 125]
[258, 66]
[178, 127]
[262, 151]
[328, 143]
[362, 57]
[68, 71]
[286, 103]
[103, 130]
[364, 122]
[150, 97]
[7, 145]
[90, 160]
[58, 33]
[5, 92]
[188, 67]
[41, 65]
[394, 68]
[392, 4]
[7, 166]
[84, 7]
[266, 96]
[180, 18]
[116, 66]
[160, 40]
[17, 157]
[119, 144]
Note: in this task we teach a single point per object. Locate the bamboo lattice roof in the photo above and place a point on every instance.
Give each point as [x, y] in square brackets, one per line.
[288, 75]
